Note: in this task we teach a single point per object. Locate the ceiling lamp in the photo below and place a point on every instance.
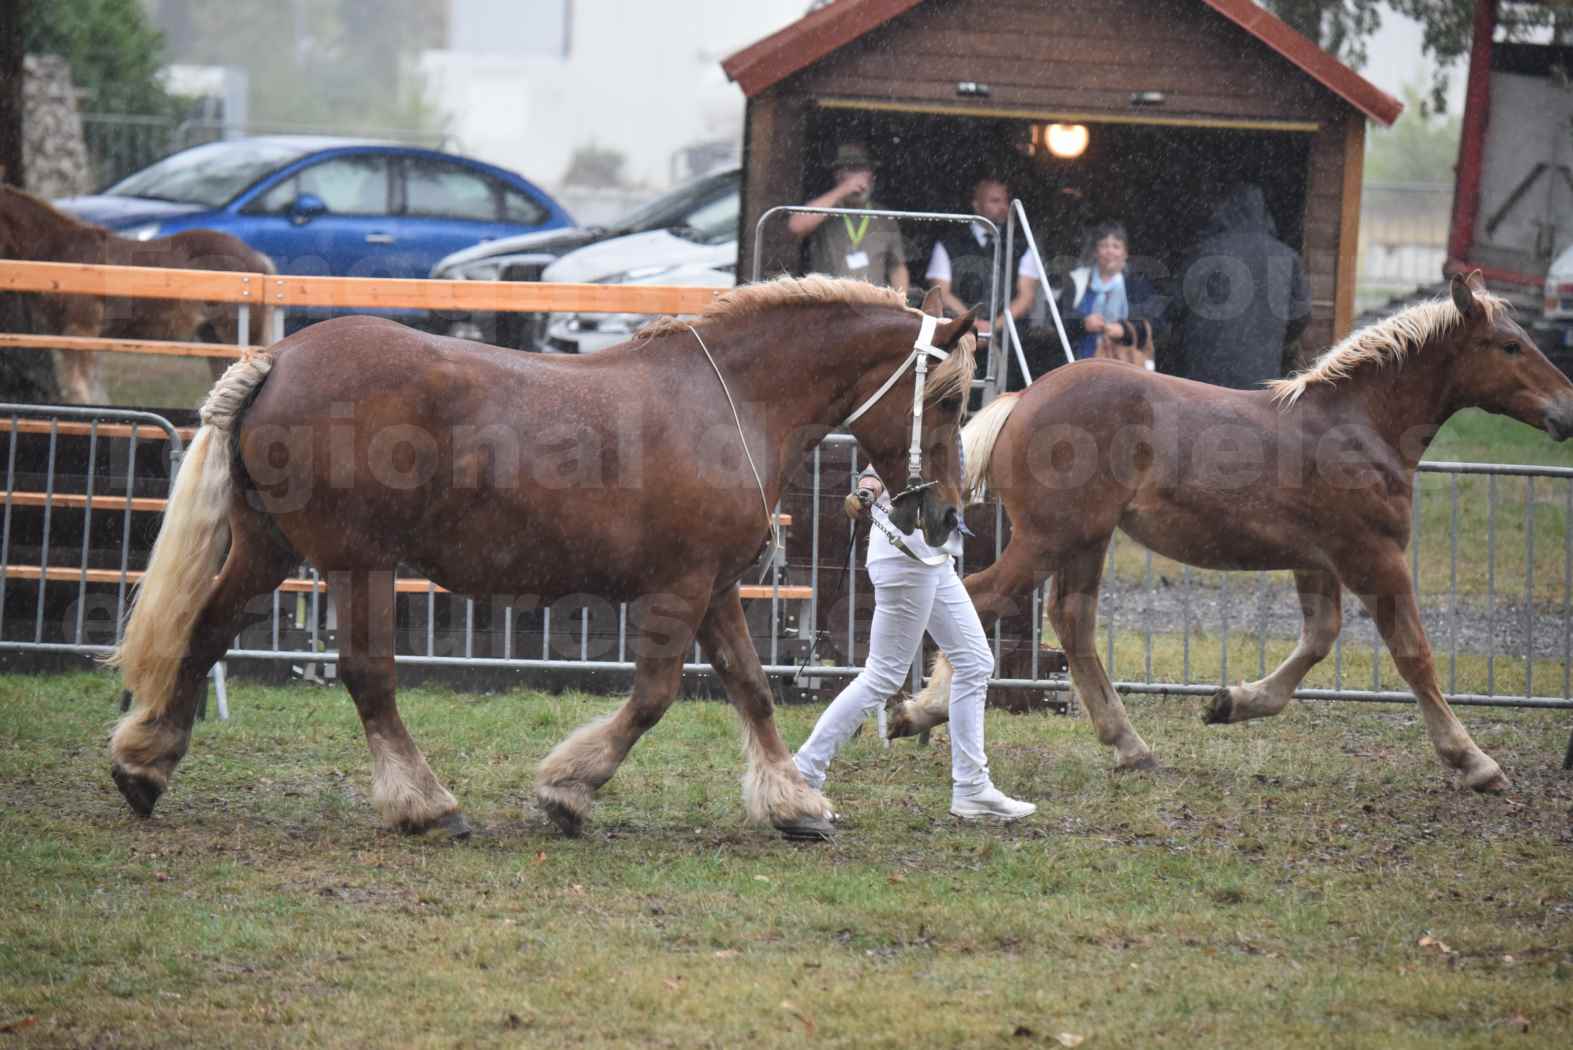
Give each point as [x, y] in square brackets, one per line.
[1067, 141]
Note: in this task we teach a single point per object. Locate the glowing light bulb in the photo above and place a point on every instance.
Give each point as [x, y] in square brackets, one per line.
[1066, 140]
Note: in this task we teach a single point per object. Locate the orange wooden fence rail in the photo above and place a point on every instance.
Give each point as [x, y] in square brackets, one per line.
[139, 282]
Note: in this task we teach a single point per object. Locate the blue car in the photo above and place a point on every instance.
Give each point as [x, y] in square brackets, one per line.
[326, 207]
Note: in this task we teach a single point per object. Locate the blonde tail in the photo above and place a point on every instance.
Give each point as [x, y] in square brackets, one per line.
[977, 442]
[179, 579]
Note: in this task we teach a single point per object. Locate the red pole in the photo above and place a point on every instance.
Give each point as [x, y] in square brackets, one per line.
[1472, 136]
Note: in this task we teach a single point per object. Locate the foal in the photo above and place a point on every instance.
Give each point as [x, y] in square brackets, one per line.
[1314, 474]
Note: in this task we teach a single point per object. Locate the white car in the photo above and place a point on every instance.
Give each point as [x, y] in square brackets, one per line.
[687, 255]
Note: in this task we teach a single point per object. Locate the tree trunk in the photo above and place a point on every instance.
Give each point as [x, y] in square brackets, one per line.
[13, 20]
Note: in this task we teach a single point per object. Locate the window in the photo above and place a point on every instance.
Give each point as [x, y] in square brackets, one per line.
[521, 208]
[354, 185]
[209, 175]
[716, 221]
[276, 200]
[448, 191]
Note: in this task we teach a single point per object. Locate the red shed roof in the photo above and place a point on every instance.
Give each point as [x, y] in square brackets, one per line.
[799, 45]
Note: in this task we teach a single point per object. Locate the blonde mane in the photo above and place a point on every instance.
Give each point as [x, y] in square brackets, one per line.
[951, 378]
[1387, 341]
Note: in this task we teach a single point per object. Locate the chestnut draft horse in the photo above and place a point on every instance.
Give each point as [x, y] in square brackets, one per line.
[642, 474]
[32, 229]
[1314, 474]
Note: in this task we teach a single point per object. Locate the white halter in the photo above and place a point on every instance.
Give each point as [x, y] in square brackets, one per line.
[923, 348]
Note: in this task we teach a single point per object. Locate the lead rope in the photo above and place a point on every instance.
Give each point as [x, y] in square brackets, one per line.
[770, 519]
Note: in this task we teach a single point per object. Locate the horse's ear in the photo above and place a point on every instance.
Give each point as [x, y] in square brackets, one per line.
[1476, 281]
[1464, 297]
[949, 334]
[933, 303]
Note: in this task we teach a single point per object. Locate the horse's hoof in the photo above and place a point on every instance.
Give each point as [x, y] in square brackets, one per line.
[456, 826]
[899, 723]
[562, 809]
[140, 792]
[895, 724]
[1494, 783]
[1139, 764]
[452, 824]
[809, 829]
[1220, 710]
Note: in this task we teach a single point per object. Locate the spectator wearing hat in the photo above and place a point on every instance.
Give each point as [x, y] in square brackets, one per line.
[866, 247]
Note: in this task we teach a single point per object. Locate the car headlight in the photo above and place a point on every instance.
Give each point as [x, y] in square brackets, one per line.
[145, 232]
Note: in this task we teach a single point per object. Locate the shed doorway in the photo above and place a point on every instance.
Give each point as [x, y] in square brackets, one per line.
[1160, 180]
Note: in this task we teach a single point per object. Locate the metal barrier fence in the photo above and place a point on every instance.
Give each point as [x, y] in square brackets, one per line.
[1492, 556]
[82, 504]
[78, 461]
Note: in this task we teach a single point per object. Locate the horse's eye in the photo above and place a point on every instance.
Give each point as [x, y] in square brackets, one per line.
[1511, 347]
[951, 404]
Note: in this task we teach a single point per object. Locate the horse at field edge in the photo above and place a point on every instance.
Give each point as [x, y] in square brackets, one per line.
[1328, 494]
[32, 229]
[362, 445]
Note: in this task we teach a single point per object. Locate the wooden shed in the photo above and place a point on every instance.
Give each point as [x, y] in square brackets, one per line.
[1180, 98]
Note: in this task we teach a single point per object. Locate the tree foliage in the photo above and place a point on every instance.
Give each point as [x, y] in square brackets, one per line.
[345, 64]
[1420, 146]
[114, 51]
[1343, 27]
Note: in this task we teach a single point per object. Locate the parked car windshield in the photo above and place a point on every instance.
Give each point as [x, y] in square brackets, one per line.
[679, 207]
[208, 175]
[713, 223]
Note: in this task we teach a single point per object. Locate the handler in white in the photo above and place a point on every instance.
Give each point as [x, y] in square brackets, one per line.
[914, 589]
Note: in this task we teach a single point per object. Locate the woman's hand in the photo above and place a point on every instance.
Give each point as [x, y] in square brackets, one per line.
[1114, 330]
[859, 500]
[1093, 323]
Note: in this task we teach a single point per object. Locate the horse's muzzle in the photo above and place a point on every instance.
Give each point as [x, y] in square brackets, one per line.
[939, 521]
[918, 508]
[1559, 419]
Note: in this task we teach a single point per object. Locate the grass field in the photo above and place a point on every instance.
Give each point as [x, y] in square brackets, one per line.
[1312, 880]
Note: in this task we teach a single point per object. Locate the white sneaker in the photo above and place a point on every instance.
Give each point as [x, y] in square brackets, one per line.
[990, 804]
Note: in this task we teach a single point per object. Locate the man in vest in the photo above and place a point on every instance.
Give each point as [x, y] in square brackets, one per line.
[860, 246]
[963, 261]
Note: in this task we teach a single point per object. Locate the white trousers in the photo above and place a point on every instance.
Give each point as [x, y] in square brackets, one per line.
[910, 597]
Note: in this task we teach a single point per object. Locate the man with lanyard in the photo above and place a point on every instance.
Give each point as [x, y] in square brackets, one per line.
[962, 264]
[860, 246]
[916, 589]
